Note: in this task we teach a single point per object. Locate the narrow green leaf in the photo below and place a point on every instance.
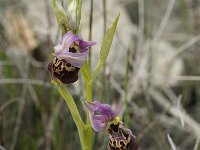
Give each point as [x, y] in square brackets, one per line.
[107, 41]
[105, 48]
[72, 107]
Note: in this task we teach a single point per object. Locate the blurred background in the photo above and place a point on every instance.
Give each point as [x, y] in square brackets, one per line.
[153, 69]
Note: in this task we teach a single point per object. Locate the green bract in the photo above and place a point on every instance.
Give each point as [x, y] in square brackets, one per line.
[105, 47]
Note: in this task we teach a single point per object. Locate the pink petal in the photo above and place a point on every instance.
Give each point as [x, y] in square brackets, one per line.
[75, 59]
[97, 125]
[84, 44]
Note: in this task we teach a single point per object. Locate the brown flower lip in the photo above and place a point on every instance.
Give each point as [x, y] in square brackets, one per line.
[63, 71]
[121, 138]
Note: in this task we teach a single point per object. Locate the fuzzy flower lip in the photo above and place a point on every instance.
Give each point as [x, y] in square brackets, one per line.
[72, 49]
[100, 114]
[121, 138]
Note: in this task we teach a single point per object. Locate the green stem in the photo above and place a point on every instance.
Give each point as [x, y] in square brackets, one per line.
[88, 132]
[88, 86]
[90, 30]
[89, 92]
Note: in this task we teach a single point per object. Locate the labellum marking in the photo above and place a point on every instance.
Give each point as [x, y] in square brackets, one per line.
[59, 66]
[121, 138]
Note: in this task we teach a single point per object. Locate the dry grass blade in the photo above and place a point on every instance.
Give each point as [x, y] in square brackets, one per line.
[196, 144]
[186, 46]
[164, 103]
[24, 81]
[2, 148]
[164, 20]
[173, 146]
[180, 78]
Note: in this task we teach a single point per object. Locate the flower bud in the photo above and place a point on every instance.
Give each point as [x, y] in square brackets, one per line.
[61, 16]
[74, 15]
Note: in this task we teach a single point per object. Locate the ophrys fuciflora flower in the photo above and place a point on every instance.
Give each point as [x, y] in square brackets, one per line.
[69, 56]
[102, 117]
[100, 114]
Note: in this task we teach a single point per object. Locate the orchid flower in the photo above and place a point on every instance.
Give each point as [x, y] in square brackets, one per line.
[70, 54]
[101, 114]
[103, 117]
